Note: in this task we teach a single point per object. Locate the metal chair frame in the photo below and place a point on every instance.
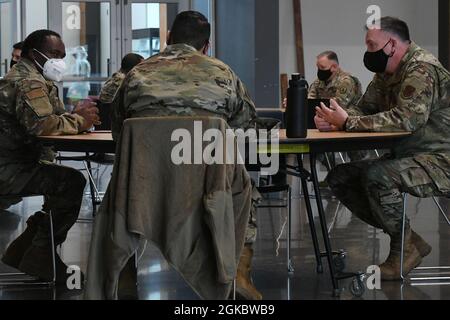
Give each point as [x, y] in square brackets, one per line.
[423, 273]
[15, 279]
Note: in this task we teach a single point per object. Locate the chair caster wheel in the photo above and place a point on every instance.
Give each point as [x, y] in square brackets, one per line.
[339, 263]
[337, 293]
[291, 271]
[357, 287]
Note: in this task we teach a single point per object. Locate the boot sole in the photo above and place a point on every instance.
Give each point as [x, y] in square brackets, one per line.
[10, 261]
[31, 271]
[243, 294]
[426, 251]
[398, 278]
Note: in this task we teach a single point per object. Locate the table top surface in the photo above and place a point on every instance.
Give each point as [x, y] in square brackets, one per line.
[313, 135]
[91, 136]
[316, 135]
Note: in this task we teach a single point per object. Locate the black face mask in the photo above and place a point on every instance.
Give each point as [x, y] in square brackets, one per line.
[12, 63]
[377, 61]
[324, 75]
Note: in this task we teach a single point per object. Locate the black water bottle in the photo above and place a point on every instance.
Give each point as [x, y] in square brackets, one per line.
[296, 110]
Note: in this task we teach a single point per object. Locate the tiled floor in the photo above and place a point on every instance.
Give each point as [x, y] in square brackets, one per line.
[365, 247]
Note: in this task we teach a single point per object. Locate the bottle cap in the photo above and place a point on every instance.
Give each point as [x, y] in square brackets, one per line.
[296, 76]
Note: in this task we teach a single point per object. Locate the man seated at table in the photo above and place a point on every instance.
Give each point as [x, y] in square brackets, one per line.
[410, 92]
[184, 81]
[334, 83]
[29, 107]
[113, 84]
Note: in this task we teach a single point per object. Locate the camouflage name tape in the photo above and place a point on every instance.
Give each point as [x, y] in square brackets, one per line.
[36, 93]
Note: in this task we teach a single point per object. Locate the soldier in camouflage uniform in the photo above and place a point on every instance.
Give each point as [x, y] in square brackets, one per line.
[112, 85]
[184, 81]
[334, 83]
[29, 107]
[410, 92]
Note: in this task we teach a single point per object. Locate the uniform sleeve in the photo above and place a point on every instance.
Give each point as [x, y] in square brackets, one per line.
[412, 109]
[118, 110]
[347, 92]
[244, 114]
[313, 92]
[371, 102]
[105, 95]
[39, 116]
[110, 89]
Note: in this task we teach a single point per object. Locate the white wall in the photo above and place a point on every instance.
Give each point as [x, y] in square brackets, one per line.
[339, 25]
[145, 15]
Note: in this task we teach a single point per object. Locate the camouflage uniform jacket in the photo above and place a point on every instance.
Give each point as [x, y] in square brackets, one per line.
[182, 81]
[344, 87]
[111, 87]
[416, 98]
[29, 106]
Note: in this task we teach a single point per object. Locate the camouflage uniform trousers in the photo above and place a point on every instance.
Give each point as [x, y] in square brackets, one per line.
[252, 228]
[62, 188]
[373, 189]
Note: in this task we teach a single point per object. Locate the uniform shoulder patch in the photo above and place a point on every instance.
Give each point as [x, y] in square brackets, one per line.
[35, 93]
[408, 92]
[343, 90]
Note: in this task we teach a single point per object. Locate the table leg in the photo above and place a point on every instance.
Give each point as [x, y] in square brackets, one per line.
[310, 216]
[323, 224]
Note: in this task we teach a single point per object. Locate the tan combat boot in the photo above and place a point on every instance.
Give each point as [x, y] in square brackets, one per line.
[244, 286]
[390, 269]
[421, 245]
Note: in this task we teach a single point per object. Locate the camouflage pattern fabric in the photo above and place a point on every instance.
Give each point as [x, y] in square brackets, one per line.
[373, 189]
[111, 87]
[344, 87]
[416, 98]
[63, 189]
[182, 81]
[30, 106]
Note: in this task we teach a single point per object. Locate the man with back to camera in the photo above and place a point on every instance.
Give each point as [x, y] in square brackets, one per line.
[29, 107]
[409, 92]
[112, 85]
[183, 80]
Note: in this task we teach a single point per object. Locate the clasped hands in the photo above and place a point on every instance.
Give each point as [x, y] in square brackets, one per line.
[89, 111]
[332, 118]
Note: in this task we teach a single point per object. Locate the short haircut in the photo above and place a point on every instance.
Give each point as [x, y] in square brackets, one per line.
[395, 26]
[331, 55]
[191, 28]
[36, 40]
[129, 61]
[18, 45]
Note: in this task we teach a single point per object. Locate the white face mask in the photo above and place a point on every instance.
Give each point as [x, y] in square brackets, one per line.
[53, 69]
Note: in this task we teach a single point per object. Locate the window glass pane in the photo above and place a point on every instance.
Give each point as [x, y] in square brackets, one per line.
[150, 22]
[86, 31]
